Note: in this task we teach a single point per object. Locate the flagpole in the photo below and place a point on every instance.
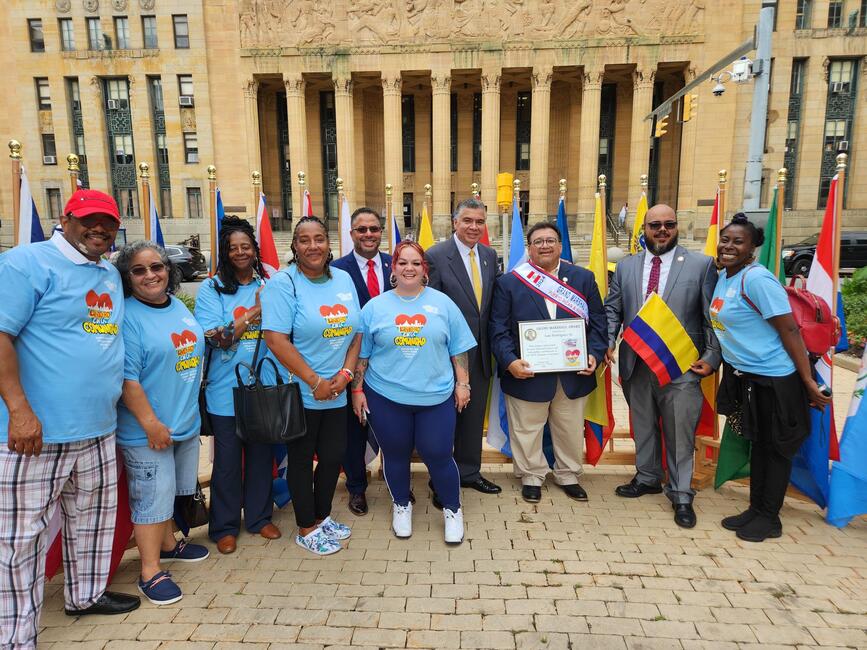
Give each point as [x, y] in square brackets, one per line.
[602, 187]
[389, 215]
[145, 176]
[516, 194]
[256, 180]
[73, 169]
[643, 181]
[838, 218]
[428, 202]
[340, 195]
[302, 184]
[475, 191]
[723, 177]
[212, 198]
[15, 155]
[781, 193]
[563, 192]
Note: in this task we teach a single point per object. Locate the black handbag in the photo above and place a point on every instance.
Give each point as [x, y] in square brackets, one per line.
[206, 428]
[191, 510]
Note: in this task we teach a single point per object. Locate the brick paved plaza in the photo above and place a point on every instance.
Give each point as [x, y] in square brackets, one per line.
[613, 573]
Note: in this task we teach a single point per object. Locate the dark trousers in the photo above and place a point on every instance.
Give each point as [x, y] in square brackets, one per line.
[769, 469]
[471, 421]
[353, 461]
[313, 491]
[229, 491]
[399, 429]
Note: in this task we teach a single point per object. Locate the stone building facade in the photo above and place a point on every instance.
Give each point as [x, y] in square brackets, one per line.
[417, 92]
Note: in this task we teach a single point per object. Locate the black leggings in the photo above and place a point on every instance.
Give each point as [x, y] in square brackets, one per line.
[769, 469]
[312, 492]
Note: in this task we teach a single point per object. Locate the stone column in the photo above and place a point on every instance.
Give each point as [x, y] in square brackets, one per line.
[639, 139]
[393, 140]
[296, 112]
[344, 109]
[539, 132]
[591, 102]
[251, 102]
[441, 84]
[491, 146]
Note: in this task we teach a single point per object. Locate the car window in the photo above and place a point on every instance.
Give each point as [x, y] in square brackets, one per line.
[812, 240]
[171, 250]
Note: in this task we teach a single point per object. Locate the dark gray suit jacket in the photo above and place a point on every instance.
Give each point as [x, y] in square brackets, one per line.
[688, 292]
[449, 275]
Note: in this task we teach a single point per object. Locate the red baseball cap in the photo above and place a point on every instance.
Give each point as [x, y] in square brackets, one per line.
[83, 203]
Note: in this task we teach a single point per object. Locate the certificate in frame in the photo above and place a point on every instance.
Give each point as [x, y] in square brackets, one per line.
[554, 345]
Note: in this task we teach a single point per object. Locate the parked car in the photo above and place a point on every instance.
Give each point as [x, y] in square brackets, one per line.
[797, 258]
[189, 260]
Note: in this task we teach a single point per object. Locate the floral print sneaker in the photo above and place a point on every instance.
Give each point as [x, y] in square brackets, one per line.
[318, 542]
[335, 529]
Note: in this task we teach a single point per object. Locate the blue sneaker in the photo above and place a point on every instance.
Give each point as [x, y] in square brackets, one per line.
[318, 542]
[185, 552]
[161, 589]
[335, 530]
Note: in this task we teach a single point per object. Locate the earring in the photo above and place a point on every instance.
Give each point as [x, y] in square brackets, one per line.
[330, 257]
[392, 280]
[424, 281]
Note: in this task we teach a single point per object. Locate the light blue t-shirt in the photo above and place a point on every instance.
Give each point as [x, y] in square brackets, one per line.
[748, 341]
[409, 345]
[163, 353]
[214, 310]
[65, 314]
[322, 317]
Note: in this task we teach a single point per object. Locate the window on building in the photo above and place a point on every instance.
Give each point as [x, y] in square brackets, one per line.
[149, 31]
[407, 106]
[123, 151]
[43, 94]
[835, 14]
[156, 91]
[94, 34]
[54, 202]
[166, 201]
[185, 89]
[803, 11]
[37, 39]
[835, 132]
[121, 32]
[522, 130]
[477, 132]
[862, 15]
[67, 34]
[194, 202]
[796, 85]
[453, 132]
[191, 147]
[182, 31]
[162, 149]
[127, 203]
[49, 149]
[840, 77]
[118, 91]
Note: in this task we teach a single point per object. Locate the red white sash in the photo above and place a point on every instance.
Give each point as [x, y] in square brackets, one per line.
[551, 287]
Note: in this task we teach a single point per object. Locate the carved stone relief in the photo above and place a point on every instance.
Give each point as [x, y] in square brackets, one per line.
[147, 5]
[119, 5]
[305, 23]
[91, 6]
[188, 120]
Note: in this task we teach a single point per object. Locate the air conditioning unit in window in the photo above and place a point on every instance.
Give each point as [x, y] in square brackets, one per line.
[185, 100]
[49, 160]
[839, 87]
[843, 145]
[112, 104]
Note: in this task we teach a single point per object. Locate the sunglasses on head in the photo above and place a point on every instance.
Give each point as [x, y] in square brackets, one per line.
[141, 271]
[656, 225]
[363, 230]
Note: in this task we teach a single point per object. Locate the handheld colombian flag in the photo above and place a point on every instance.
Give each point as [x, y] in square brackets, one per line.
[659, 339]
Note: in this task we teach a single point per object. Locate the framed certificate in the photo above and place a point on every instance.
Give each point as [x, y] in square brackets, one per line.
[554, 345]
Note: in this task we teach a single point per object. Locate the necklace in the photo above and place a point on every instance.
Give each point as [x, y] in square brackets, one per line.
[413, 299]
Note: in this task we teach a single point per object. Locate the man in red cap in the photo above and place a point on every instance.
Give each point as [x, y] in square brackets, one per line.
[61, 373]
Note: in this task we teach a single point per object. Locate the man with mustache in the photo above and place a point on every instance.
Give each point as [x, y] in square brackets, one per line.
[61, 372]
[685, 281]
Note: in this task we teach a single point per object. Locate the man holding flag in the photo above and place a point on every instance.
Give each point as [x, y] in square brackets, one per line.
[660, 406]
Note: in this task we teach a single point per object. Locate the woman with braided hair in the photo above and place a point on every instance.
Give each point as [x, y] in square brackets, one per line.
[229, 311]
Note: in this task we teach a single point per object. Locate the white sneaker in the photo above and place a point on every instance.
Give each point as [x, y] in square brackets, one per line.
[401, 520]
[454, 526]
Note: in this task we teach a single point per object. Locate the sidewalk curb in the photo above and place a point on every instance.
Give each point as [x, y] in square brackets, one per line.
[847, 362]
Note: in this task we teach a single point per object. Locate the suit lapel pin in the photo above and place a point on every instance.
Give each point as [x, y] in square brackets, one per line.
[680, 259]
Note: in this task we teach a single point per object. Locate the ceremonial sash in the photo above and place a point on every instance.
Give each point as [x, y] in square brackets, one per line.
[550, 287]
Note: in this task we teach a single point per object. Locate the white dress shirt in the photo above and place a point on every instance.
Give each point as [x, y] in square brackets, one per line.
[377, 268]
[664, 268]
[552, 306]
[464, 250]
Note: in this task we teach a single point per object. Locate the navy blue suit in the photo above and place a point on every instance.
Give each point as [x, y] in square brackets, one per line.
[514, 302]
[356, 434]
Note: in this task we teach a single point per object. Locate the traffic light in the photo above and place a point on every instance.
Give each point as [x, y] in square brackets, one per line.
[661, 126]
[690, 107]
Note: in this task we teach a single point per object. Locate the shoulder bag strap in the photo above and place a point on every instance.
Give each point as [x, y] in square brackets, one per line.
[744, 291]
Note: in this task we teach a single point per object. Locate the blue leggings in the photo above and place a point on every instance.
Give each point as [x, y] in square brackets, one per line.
[399, 428]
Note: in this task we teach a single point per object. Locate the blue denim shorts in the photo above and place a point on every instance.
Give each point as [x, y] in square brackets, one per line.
[156, 477]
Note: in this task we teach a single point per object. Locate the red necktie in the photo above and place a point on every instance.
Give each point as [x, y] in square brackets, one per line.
[653, 280]
[373, 281]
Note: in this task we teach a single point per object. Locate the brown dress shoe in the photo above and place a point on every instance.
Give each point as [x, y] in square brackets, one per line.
[270, 531]
[358, 504]
[227, 544]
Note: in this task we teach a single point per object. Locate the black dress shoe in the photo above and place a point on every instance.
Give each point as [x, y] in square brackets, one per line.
[482, 485]
[634, 489]
[736, 522]
[111, 602]
[760, 528]
[531, 493]
[574, 491]
[358, 504]
[434, 498]
[684, 515]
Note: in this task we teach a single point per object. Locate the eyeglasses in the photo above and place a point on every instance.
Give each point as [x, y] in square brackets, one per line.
[141, 271]
[550, 241]
[363, 230]
[656, 225]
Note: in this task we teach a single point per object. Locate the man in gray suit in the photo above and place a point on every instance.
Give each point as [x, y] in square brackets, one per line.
[465, 270]
[686, 281]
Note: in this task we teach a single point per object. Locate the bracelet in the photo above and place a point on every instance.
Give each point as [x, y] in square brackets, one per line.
[358, 390]
[346, 374]
[318, 381]
[460, 385]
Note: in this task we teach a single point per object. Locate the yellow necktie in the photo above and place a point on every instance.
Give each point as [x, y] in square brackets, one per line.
[477, 278]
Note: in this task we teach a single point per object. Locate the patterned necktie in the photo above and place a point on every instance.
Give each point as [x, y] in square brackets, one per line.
[653, 280]
[372, 280]
[476, 277]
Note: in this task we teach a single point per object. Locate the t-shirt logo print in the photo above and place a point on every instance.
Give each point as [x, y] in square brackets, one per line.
[185, 347]
[99, 310]
[252, 331]
[335, 316]
[409, 332]
[715, 308]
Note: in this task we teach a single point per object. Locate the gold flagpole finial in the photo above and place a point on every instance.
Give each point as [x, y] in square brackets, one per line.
[474, 190]
[145, 171]
[643, 181]
[339, 183]
[15, 150]
[723, 176]
[428, 190]
[212, 173]
[72, 163]
[782, 174]
[516, 187]
[562, 185]
[842, 160]
[389, 190]
[256, 178]
[301, 179]
[601, 180]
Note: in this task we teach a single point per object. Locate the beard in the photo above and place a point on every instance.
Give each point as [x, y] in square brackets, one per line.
[661, 250]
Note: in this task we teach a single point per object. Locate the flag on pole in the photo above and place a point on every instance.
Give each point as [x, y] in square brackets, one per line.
[425, 232]
[485, 239]
[395, 233]
[307, 210]
[636, 241]
[563, 225]
[154, 218]
[713, 229]
[345, 227]
[29, 226]
[769, 255]
[847, 496]
[598, 413]
[265, 239]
